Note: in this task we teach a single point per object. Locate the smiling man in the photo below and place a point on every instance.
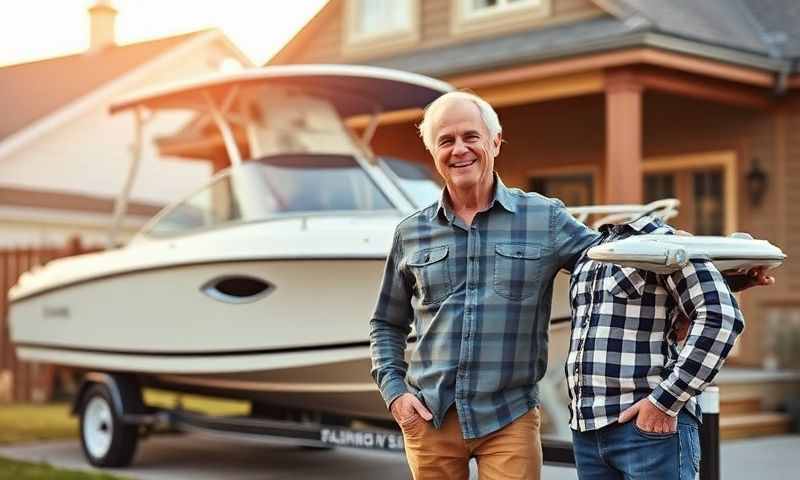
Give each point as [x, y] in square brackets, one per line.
[473, 274]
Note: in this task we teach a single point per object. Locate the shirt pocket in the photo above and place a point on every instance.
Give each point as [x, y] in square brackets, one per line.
[431, 273]
[517, 270]
[626, 282]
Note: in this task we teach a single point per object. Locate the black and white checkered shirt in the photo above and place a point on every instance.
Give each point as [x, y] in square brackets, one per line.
[623, 347]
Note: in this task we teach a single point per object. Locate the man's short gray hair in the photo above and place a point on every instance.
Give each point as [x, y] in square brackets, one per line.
[488, 115]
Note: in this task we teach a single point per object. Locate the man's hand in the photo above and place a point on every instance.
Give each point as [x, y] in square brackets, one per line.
[738, 281]
[649, 418]
[681, 327]
[407, 405]
[756, 277]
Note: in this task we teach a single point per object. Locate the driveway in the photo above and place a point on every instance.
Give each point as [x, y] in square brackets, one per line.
[200, 457]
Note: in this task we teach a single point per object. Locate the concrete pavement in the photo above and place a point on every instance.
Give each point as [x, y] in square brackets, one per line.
[201, 457]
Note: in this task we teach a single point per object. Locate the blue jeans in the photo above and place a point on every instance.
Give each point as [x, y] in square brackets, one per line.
[622, 451]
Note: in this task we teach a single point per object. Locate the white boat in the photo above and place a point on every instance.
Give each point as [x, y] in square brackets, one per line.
[260, 284]
[668, 253]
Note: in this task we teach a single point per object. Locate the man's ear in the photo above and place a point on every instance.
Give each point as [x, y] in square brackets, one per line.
[496, 142]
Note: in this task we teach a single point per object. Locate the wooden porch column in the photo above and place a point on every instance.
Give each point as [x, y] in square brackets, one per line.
[623, 167]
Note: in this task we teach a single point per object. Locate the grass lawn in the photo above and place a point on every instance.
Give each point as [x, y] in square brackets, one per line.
[13, 470]
[29, 423]
[208, 405]
[32, 422]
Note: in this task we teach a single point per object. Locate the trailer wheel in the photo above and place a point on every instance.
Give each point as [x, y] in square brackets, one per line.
[105, 439]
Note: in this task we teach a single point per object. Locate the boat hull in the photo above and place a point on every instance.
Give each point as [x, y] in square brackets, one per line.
[164, 318]
[270, 350]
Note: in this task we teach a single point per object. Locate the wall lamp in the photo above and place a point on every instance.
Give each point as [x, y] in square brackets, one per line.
[757, 182]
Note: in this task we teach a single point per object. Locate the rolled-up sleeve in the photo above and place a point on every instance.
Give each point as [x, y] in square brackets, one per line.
[571, 237]
[715, 321]
[390, 326]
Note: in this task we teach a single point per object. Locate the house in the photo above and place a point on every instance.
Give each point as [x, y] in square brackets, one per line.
[63, 158]
[615, 101]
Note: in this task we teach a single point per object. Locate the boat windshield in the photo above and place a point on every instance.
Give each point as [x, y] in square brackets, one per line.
[275, 186]
[415, 180]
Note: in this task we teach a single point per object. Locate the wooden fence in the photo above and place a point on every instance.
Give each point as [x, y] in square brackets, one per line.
[25, 381]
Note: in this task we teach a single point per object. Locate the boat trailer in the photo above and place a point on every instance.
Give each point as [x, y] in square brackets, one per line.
[113, 415]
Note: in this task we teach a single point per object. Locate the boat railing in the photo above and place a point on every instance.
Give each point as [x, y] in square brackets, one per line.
[663, 209]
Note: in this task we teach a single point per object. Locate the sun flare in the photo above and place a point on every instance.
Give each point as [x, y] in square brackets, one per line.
[36, 29]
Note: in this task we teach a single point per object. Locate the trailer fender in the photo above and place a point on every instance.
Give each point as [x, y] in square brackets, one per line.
[126, 395]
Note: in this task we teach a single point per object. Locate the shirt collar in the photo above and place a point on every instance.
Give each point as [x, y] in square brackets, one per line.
[502, 195]
[643, 224]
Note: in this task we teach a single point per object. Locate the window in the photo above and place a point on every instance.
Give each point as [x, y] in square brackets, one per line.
[483, 15]
[709, 201]
[317, 183]
[705, 184]
[381, 23]
[209, 207]
[478, 7]
[275, 186]
[415, 180]
[701, 194]
[377, 16]
[574, 190]
[658, 186]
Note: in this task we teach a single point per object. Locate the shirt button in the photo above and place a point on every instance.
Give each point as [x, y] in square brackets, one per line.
[466, 336]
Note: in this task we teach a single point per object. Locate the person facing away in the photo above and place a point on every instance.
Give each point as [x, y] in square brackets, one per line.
[633, 388]
[473, 274]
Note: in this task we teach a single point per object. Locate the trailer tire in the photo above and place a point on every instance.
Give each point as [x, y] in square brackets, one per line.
[106, 441]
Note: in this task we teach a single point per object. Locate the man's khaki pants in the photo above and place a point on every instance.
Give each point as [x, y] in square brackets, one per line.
[513, 452]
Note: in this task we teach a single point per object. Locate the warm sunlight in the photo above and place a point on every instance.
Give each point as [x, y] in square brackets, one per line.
[36, 29]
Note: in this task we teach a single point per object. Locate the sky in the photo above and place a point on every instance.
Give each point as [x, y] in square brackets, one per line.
[37, 29]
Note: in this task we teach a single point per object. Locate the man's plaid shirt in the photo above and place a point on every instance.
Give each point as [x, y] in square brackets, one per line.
[479, 299]
[623, 347]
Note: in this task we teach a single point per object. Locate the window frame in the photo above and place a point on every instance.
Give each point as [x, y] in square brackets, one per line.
[356, 42]
[725, 160]
[572, 170]
[466, 19]
[147, 230]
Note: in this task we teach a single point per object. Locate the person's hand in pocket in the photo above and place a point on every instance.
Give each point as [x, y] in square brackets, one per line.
[649, 418]
[407, 405]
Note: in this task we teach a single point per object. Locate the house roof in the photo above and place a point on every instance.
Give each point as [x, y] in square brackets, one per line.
[771, 27]
[53, 200]
[35, 89]
[779, 19]
[759, 33]
[728, 23]
[526, 45]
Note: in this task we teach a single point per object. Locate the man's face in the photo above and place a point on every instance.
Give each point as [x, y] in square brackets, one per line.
[462, 149]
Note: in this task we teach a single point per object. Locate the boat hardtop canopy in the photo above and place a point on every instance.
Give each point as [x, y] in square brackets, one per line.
[352, 89]
[279, 110]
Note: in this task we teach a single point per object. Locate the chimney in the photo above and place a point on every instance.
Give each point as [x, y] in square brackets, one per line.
[102, 17]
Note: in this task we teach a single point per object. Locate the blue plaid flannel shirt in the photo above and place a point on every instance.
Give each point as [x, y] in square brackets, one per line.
[622, 346]
[478, 297]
